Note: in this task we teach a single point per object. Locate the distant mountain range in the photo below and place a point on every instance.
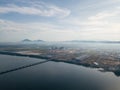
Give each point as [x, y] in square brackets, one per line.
[77, 41]
[94, 41]
[28, 40]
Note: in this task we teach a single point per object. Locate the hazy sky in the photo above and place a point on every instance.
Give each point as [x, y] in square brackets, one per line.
[59, 20]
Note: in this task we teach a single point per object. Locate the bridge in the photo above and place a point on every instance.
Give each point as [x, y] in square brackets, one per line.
[22, 67]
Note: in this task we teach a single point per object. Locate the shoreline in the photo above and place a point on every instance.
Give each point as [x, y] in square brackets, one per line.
[116, 71]
[42, 57]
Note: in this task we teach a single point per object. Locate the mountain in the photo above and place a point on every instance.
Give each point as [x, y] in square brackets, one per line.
[28, 40]
[38, 41]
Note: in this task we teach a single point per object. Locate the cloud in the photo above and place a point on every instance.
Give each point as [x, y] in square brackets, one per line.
[49, 31]
[36, 9]
[37, 30]
[104, 25]
[103, 15]
[100, 24]
[7, 25]
[98, 19]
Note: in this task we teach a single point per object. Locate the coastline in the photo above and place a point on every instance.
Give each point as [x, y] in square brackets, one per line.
[43, 57]
[115, 70]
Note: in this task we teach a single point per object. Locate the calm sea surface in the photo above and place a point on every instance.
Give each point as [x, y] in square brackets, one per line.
[53, 76]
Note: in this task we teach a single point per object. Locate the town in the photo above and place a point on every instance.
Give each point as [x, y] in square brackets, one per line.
[105, 60]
